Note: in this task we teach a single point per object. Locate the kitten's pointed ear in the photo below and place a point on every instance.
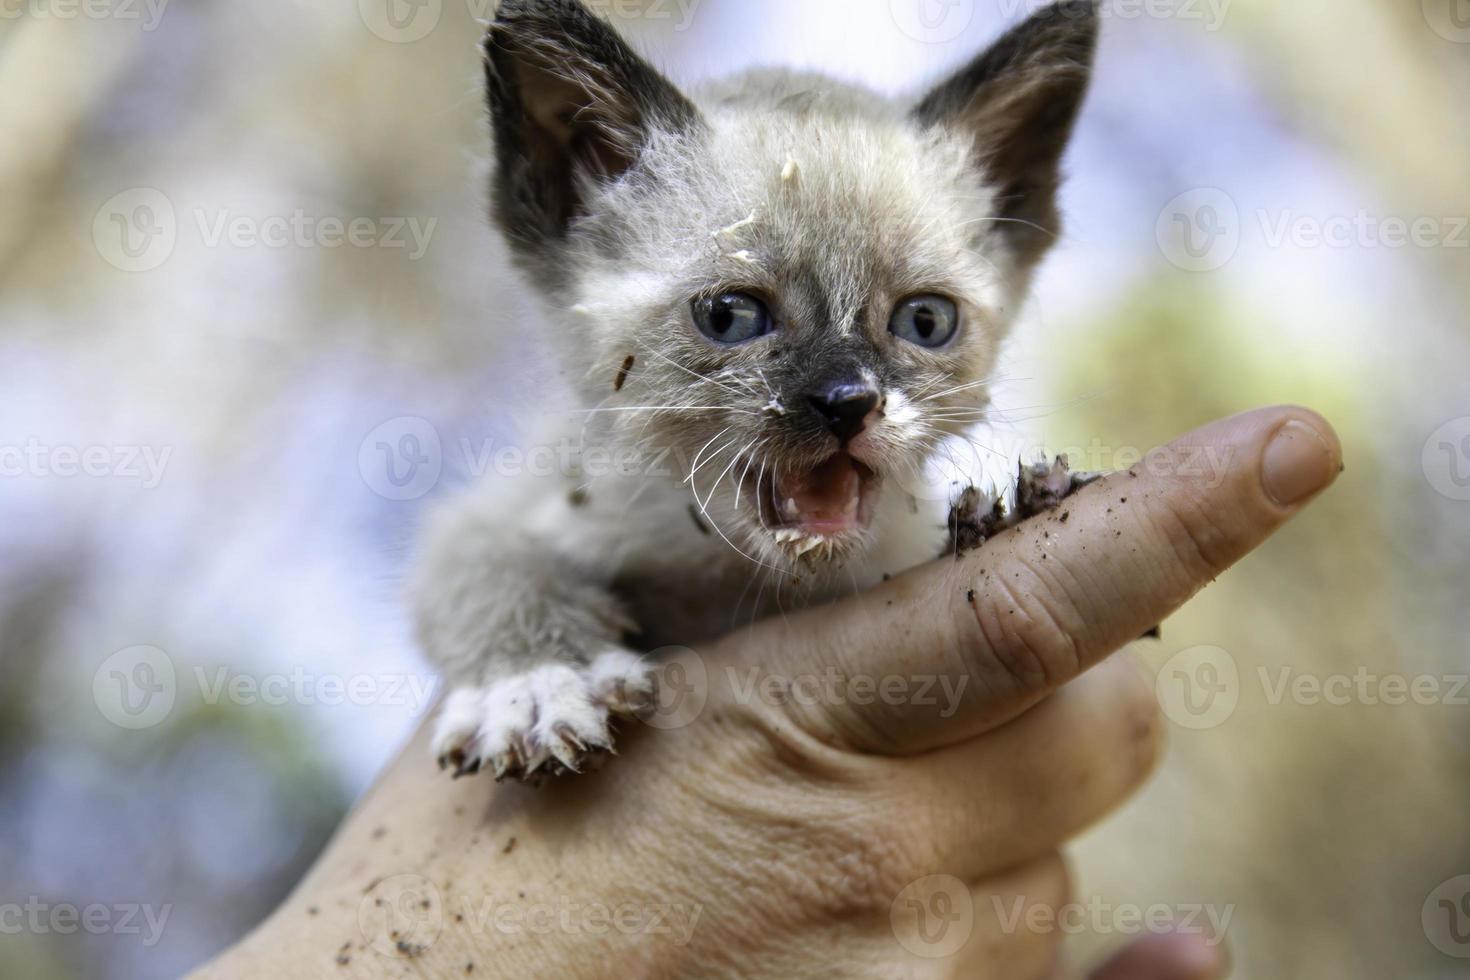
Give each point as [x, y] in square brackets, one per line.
[571, 104]
[1019, 100]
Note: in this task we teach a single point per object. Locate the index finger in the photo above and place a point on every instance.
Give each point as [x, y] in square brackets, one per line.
[1002, 627]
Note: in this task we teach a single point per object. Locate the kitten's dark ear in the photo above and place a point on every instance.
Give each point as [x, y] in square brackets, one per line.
[1020, 100]
[570, 104]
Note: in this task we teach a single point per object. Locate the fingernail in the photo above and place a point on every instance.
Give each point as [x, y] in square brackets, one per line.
[1298, 463]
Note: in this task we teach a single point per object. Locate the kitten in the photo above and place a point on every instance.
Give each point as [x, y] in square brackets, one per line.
[782, 293]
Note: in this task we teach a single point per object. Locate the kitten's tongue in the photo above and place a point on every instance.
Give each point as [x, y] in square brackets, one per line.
[824, 499]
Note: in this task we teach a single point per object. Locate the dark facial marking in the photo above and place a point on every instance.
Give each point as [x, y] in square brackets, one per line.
[569, 101]
[1020, 100]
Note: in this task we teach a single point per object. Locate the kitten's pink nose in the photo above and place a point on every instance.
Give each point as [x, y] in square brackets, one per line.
[845, 408]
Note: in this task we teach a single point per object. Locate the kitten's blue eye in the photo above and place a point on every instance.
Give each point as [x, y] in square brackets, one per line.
[732, 318]
[929, 321]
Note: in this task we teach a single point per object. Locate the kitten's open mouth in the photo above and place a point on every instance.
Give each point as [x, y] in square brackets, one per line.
[826, 501]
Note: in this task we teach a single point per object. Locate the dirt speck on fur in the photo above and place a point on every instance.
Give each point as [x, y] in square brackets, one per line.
[622, 377]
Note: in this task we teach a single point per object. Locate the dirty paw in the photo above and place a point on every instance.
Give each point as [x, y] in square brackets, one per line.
[548, 721]
[1040, 487]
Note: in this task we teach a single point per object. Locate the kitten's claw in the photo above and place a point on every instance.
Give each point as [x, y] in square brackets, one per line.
[1040, 487]
[547, 722]
[623, 682]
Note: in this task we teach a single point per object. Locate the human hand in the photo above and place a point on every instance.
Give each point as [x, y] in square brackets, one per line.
[808, 834]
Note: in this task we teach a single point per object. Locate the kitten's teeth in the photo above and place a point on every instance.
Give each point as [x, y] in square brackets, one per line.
[789, 509]
[787, 535]
[809, 544]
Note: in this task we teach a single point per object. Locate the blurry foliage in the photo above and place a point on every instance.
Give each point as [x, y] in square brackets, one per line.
[1176, 354]
[1284, 804]
[216, 813]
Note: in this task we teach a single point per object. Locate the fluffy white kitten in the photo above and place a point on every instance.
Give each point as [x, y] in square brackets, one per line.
[782, 293]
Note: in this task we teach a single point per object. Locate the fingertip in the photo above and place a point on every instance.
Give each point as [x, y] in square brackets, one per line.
[1302, 458]
[1290, 453]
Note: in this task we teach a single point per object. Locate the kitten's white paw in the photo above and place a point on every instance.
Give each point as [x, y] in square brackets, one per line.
[548, 721]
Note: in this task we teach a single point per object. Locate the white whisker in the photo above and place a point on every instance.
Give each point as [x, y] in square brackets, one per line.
[687, 370]
[664, 408]
[696, 464]
[959, 388]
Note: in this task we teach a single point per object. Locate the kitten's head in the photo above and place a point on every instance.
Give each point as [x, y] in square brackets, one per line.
[794, 286]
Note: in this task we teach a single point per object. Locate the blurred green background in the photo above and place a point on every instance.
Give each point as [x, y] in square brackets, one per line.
[1267, 203]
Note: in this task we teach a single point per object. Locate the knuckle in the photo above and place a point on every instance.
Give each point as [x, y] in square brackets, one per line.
[1021, 633]
[1196, 534]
